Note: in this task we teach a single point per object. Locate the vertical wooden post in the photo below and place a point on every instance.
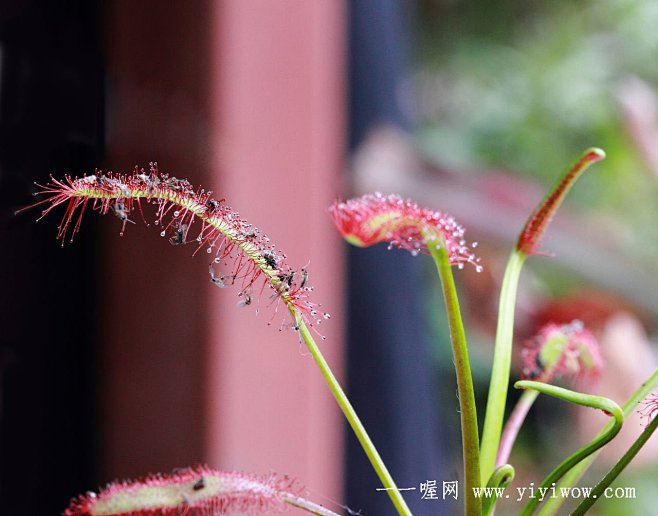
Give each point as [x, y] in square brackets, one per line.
[247, 99]
[277, 142]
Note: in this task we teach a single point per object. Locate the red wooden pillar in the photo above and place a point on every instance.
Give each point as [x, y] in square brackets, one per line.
[247, 99]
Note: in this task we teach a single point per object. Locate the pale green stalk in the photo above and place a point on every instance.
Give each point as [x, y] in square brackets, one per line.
[493, 420]
[352, 418]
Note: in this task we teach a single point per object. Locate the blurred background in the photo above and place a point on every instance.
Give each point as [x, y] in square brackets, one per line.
[117, 359]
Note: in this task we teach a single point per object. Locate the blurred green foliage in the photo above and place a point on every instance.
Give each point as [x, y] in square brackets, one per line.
[526, 86]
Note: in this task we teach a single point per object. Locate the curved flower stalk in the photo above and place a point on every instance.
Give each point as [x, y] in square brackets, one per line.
[501, 478]
[200, 490]
[246, 254]
[568, 351]
[609, 407]
[527, 244]
[552, 505]
[377, 218]
[650, 411]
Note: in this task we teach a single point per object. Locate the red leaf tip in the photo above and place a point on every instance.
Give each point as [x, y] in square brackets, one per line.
[538, 222]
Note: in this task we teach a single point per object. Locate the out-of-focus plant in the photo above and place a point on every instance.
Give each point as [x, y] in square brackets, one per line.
[518, 85]
[242, 256]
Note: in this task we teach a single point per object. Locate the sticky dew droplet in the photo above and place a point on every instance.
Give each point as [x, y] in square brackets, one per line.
[162, 233]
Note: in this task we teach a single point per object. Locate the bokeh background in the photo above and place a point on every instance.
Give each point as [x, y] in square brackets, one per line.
[117, 358]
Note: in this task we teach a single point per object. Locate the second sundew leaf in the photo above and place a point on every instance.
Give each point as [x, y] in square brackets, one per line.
[377, 218]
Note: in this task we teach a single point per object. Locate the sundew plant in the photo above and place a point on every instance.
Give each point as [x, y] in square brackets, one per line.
[242, 258]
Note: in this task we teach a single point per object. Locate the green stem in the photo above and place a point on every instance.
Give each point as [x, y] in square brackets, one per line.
[493, 420]
[468, 414]
[502, 477]
[352, 418]
[608, 406]
[513, 425]
[553, 504]
[616, 469]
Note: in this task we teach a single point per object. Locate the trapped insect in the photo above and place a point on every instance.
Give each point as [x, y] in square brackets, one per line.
[212, 205]
[199, 484]
[270, 258]
[241, 247]
[179, 234]
[119, 209]
[287, 279]
[246, 298]
[218, 281]
[304, 274]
